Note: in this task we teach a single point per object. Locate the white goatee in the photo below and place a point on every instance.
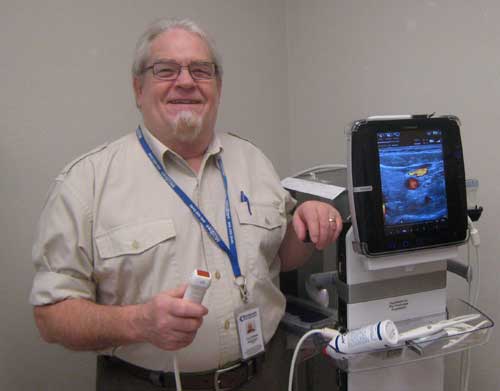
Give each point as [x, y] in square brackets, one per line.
[187, 126]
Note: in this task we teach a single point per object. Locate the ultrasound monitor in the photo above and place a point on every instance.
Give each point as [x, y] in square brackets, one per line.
[406, 183]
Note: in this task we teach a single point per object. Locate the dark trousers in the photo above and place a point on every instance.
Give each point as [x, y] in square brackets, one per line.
[272, 376]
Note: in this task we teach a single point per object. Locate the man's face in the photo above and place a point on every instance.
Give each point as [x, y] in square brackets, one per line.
[181, 110]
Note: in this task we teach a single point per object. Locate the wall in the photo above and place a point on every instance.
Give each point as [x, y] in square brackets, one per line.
[296, 74]
[65, 88]
[350, 59]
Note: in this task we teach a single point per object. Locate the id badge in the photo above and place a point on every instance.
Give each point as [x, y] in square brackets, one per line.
[250, 331]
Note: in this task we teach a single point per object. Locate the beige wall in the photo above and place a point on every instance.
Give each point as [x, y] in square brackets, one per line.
[65, 88]
[350, 59]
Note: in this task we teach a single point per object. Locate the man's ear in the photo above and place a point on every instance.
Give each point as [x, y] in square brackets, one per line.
[137, 85]
[219, 87]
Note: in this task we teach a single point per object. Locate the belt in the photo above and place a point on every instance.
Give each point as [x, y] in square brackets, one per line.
[223, 379]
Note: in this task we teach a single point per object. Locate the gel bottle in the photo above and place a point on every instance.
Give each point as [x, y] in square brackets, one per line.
[375, 336]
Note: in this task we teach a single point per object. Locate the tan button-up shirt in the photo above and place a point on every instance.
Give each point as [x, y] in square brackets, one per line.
[114, 232]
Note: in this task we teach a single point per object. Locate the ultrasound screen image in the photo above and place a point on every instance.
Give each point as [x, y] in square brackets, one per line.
[412, 176]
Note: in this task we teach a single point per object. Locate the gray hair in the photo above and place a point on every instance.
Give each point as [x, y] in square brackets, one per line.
[142, 49]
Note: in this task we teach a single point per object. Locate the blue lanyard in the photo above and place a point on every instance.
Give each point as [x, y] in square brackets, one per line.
[231, 250]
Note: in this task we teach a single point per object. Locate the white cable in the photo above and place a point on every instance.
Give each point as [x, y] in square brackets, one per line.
[464, 360]
[325, 332]
[467, 374]
[470, 275]
[463, 355]
[464, 329]
[474, 234]
[478, 277]
[473, 293]
[178, 384]
[295, 353]
[474, 298]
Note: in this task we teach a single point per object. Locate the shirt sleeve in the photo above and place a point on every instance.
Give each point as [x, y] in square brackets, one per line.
[62, 250]
[290, 204]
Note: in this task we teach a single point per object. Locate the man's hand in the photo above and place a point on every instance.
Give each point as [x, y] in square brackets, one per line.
[322, 220]
[166, 321]
[169, 322]
[323, 223]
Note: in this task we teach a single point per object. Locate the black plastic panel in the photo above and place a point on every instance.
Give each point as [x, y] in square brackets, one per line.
[415, 170]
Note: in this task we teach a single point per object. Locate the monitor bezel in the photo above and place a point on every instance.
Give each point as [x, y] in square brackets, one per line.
[365, 187]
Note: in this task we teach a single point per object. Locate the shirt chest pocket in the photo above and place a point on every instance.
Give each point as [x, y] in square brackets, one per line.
[134, 239]
[261, 232]
[134, 260]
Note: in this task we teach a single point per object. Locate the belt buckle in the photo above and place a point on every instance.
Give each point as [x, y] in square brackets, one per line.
[219, 372]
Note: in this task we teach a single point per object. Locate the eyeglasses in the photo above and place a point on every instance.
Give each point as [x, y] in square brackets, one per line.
[170, 70]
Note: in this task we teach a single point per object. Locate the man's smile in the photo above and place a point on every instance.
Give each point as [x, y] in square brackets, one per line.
[184, 101]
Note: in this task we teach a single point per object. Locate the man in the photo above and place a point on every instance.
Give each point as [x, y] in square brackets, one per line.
[125, 225]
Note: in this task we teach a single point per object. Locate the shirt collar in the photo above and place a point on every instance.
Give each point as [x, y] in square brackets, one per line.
[156, 145]
[160, 150]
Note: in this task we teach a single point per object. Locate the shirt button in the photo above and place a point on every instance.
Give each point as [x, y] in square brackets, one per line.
[135, 244]
[217, 275]
[227, 324]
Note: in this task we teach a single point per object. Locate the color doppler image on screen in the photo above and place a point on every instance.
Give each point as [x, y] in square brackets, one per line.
[412, 176]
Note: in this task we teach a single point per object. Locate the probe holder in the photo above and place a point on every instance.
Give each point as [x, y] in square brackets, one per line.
[411, 352]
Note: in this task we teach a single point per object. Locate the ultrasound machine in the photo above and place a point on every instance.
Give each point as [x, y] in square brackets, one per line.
[403, 199]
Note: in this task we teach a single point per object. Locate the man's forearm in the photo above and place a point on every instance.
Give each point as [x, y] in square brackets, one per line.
[293, 252]
[83, 325]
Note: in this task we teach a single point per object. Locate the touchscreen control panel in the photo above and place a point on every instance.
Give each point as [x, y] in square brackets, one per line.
[407, 183]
